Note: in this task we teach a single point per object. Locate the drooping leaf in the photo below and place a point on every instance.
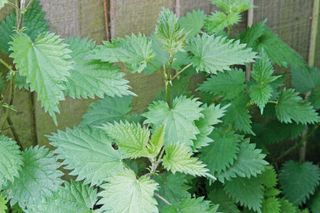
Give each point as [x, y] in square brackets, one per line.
[72, 197]
[134, 51]
[33, 21]
[291, 107]
[10, 160]
[234, 6]
[228, 84]
[222, 153]
[178, 158]
[246, 191]
[170, 32]
[193, 22]
[261, 90]
[238, 114]
[192, 205]
[125, 193]
[91, 78]
[131, 138]
[178, 121]
[304, 80]
[261, 38]
[38, 178]
[299, 180]
[46, 64]
[173, 187]
[250, 162]
[212, 54]
[106, 110]
[218, 21]
[88, 153]
[211, 116]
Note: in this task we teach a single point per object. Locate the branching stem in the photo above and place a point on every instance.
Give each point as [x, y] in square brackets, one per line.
[181, 71]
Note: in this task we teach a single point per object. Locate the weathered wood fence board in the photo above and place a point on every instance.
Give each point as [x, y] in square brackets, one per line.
[291, 19]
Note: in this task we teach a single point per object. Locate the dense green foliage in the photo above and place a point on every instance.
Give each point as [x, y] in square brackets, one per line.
[208, 150]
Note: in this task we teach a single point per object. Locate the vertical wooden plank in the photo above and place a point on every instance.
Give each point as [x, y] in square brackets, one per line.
[187, 5]
[134, 16]
[314, 39]
[70, 18]
[290, 19]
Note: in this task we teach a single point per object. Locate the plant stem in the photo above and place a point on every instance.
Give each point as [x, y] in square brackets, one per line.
[181, 71]
[304, 138]
[163, 199]
[168, 84]
[8, 66]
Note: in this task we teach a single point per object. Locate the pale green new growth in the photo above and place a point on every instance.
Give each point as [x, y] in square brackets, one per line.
[3, 202]
[131, 138]
[178, 121]
[127, 194]
[178, 158]
[46, 64]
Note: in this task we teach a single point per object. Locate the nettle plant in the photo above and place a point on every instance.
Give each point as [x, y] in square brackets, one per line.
[190, 151]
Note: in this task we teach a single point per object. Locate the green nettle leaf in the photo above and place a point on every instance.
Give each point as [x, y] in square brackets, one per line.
[193, 22]
[135, 51]
[304, 80]
[218, 21]
[88, 153]
[192, 205]
[3, 204]
[173, 187]
[314, 203]
[286, 206]
[226, 204]
[156, 142]
[271, 205]
[228, 84]
[170, 32]
[299, 180]
[246, 191]
[73, 197]
[222, 153]
[238, 115]
[211, 116]
[38, 178]
[125, 193]
[234, 6]
[131, 138]
[10, 160]
[179, 121]
[107, 110]
[250, 162]
[291, 107]
[91, 78]
[269, 177]
[178, 158]
[261, 38]
[33, 21]
[46, 64]
[212, 54]
[261, 90]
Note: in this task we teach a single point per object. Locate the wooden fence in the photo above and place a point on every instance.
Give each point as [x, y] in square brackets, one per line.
[293, 20]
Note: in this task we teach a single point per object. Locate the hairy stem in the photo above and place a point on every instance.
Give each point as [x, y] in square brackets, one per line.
[181, 71]
[163, 199]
